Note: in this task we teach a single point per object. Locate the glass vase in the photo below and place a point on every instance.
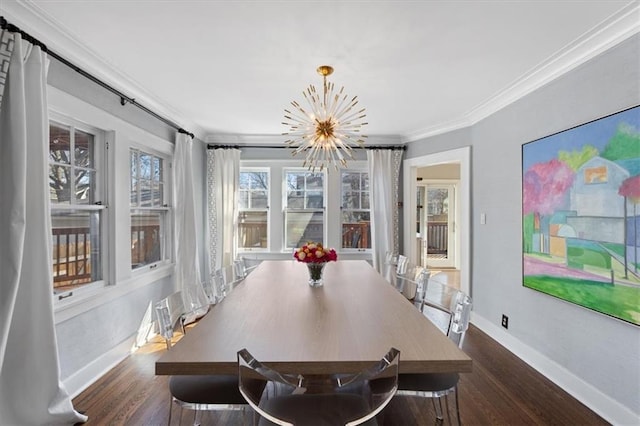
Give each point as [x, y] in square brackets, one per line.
[315, 273]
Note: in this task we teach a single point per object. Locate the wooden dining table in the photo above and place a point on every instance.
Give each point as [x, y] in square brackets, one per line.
[341, 327]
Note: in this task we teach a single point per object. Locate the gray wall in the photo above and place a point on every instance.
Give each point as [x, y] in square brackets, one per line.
[598, 349]
[112, 325]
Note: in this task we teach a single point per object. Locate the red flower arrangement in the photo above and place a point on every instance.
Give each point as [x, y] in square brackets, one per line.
[314, 253]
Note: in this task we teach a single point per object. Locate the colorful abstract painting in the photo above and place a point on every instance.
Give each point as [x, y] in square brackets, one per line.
[581, 215]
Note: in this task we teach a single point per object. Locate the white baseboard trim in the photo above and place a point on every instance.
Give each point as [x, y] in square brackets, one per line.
[606, 407]
[83, 378]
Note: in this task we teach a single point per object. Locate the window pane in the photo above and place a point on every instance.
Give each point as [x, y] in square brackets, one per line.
[314, 180]
[59, 144]
[295, 181]
[350, 180]
[365, 201]
[252, 230]
[145, 193]
[351, 200]
[84, 149]
[133, 174]
[315, 200]
[259, 180]
[157, 169]
[147, 238]
[356, 229]
[259, 199]
[303, 227]
[157, 194]
[295, 199]
[85, 186]
[134, 192]
[245, 179]
[76, 246]
[145, 165]
[243, 199]
[60, 184]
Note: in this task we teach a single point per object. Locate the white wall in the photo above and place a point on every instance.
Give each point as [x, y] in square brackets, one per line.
[593, 356]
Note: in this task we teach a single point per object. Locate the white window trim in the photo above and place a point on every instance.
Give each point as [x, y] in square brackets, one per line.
[120, 136]
[101, 190]
[285, 210]
[332, 231]
[360, 167]
[262, 169]
[169, 230]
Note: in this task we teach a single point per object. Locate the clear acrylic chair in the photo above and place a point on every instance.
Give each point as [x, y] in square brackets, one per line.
[402, 264]
[290, 399]
[170, 314]
[439, 385]
[437, 304]
[244, 266]
[196, 392]
[408, 283]
[390, 263]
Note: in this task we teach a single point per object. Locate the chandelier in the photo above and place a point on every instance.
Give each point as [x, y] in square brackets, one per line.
[329, 130]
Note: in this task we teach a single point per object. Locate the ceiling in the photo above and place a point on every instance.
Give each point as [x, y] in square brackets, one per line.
[418, 67]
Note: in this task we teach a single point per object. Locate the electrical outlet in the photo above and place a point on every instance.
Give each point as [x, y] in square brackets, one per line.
[505, 321]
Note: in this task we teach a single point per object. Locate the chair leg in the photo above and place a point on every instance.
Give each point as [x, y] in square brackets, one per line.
[446, 407]
[455, 390]
[170, 410]
[437, 405]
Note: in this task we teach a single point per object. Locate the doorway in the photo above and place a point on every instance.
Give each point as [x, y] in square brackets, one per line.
[461, 221]
[436, 221]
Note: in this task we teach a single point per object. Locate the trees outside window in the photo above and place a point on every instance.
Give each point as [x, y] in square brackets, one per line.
[253, 209]
[149, 242]
[356, 230]
[304, 207]
[76, 190]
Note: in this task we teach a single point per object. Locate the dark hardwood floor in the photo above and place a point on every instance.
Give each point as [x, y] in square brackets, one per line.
[502, 390]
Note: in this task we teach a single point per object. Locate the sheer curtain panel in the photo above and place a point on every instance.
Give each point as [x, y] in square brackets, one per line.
[384, 170]
[187, 272]
[223, 176]
[31, 392]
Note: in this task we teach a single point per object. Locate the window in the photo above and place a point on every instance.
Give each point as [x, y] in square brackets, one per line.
[148, 209]
[76, 188]
[356, 230]
[253, 211]
[304, 207]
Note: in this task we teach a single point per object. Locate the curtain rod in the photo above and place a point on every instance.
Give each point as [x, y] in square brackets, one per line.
[372, 147]
[124, 99]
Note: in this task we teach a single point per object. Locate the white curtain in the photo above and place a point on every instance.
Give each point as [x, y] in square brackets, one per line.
[223, 176]
[31, 392]
[187, 272]
[384, 171]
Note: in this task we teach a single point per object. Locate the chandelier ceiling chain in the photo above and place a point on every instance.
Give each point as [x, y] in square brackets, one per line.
[329, 130]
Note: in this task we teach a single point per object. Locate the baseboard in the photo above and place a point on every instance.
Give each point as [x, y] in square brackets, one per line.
[83, 378]
[606, 407]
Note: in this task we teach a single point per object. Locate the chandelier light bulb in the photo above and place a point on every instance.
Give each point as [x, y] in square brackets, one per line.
[329, 130]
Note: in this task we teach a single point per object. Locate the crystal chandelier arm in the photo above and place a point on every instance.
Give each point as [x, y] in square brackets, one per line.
[350, 105]
[337, 103]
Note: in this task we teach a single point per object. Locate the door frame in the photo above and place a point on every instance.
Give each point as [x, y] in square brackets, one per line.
[462, 156]
[452, 222]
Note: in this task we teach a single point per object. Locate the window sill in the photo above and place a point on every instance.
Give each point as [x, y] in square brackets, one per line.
[71, 307]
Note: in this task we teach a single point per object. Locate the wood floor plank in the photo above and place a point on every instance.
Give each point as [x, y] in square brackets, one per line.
[502, 390]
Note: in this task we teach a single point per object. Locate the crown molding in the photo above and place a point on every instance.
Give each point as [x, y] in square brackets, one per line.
[614, 30]
[26, 15]
[437, 129]
[271, 140]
